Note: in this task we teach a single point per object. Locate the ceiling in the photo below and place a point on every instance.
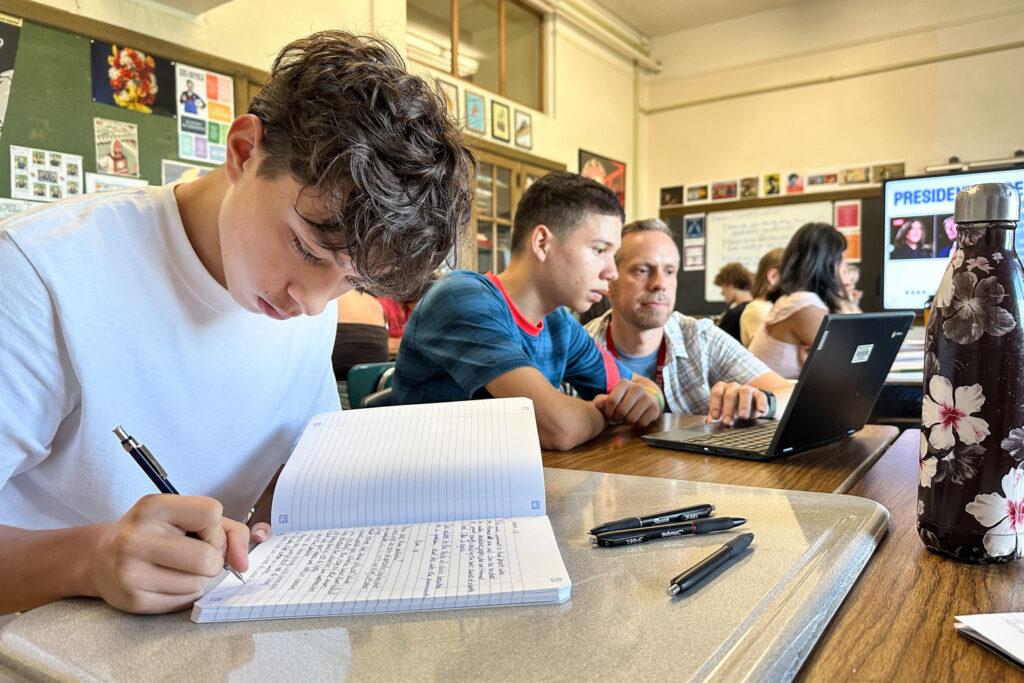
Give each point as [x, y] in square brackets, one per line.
[655, 18]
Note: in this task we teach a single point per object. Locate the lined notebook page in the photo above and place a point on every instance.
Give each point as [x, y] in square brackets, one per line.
[417, 463]
[434, 565]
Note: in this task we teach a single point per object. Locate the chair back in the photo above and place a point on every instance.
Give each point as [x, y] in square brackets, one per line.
[363, 379]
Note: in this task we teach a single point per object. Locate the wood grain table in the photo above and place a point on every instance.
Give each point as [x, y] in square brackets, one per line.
[897, 621]
[832, 469]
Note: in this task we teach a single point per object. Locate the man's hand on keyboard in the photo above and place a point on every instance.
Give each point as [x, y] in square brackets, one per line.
[731, 401]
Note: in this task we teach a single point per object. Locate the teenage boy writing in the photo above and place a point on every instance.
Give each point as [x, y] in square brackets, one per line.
[479, 336]
[196, 316]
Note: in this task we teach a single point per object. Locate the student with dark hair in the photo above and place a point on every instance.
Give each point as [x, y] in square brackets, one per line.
[809, 286]
[734, 280]
[197, 315]
[765, 278]
[481, 336]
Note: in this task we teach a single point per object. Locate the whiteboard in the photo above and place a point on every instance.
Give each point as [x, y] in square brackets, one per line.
[745, 235]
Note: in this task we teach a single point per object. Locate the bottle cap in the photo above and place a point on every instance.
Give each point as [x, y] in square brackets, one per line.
[987, 202]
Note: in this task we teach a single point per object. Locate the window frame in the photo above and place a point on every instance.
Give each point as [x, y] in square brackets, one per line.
[453, 66]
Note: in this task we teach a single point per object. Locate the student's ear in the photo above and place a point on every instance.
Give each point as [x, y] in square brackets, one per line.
[245, 137]
[540, 241]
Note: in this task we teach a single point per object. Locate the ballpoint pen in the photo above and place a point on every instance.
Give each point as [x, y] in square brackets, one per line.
[667, 517]
[141, 455]
[697, 526]
[698, 572]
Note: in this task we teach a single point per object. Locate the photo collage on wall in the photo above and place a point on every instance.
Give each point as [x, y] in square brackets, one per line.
[779, 183]
[42, 175]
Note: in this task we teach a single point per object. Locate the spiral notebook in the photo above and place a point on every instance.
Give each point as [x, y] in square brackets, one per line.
[433, 506]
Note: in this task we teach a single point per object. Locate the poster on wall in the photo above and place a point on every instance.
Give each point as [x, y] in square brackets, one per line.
[10, 30]
[693, 242]
[846, 218]
[11, 207]
[42, 175]
[117, 147]
[97, 182]
[131, 79]
[206, 108]
[180, 172]
[610, 173]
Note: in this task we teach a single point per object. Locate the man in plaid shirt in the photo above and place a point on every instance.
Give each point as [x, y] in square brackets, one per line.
[701, 369]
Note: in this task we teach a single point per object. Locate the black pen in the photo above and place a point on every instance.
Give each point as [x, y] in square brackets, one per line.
[667, 517]
[141, 455]
[697, 526]
[698, 572]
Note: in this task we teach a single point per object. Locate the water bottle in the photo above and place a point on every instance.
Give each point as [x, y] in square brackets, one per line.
[971, 488]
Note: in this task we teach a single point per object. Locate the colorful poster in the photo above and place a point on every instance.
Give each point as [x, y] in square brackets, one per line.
[131, 79]
[696, 193]
[748, 187]
[770, 184]
[206, 108]
[180, 172]
[10, 30]
[724, 189]
[608, 172]
[693, 241]
[42, 175]
[672, 196]
[96, 182]
[117, 147]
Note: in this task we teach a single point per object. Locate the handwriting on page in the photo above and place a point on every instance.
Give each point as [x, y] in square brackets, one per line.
[422, 561]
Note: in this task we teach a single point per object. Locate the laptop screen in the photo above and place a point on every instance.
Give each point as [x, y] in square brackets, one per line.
[841, 379]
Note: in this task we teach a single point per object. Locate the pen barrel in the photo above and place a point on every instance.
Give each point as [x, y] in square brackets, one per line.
[698, 526]
[698, 572]
[625, 523]
[666, 517]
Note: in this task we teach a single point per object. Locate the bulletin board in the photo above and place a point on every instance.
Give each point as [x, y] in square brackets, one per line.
[51, 106]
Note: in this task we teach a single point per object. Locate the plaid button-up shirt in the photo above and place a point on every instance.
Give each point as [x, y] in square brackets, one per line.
[698, 355]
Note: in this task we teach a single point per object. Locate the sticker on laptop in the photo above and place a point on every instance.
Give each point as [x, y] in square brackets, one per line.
[862, 353]
[824, 336]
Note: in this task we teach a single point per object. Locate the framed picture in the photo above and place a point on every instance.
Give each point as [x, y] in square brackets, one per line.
[500, 129]
[524, 130]
[671, 196]
[475, 113]
[451, 96]
[608, 172]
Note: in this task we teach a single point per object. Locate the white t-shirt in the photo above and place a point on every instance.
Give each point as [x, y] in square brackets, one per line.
[107, 317]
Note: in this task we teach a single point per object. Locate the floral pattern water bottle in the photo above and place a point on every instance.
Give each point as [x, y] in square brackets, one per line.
[971, 490]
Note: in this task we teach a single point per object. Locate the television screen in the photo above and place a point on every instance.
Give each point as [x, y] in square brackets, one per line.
[920, 233]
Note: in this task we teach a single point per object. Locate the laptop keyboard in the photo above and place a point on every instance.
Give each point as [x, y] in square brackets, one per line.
[756, 438]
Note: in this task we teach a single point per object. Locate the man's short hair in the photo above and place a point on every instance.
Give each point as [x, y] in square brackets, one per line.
[734, 275]
[561, 200]
[644, 225]
[377, 146]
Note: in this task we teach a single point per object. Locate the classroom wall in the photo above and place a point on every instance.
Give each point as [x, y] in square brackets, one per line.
[590, 88]
[914, 81]
[589, 102]
[247, 31]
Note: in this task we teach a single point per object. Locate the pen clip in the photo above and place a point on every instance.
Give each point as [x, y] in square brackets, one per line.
[151, 459]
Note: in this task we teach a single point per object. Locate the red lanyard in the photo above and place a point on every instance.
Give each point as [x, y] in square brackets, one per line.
[662, 352]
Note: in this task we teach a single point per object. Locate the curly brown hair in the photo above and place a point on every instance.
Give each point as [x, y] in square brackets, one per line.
[735, 275]
[377, 147]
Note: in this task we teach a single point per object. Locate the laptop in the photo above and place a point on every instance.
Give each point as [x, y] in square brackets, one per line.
[838, 386]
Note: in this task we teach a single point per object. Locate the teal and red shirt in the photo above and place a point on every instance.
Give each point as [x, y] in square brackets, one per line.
[466, 332]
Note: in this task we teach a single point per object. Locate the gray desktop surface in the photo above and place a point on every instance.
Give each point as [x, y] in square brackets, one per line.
[758, 619]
